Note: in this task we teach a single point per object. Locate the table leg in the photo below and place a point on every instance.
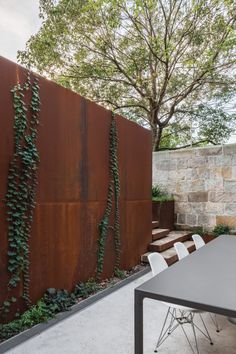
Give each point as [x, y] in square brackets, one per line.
[138, 323]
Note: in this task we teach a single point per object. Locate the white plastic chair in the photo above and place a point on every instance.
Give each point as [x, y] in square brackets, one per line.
[176, 315]
[198, 241]
[181, 250]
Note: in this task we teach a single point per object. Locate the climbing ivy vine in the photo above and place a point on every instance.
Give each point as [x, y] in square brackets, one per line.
[113, 194]
[22, 182]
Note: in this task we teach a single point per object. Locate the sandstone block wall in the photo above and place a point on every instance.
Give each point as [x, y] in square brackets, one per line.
[203, 182]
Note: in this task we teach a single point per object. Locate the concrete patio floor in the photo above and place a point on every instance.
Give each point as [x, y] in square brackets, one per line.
[107, 327]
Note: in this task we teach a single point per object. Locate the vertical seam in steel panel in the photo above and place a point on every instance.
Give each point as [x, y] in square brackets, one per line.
[84, 145]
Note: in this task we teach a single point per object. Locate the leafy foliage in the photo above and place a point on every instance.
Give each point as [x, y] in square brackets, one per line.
[198, 230]
[85, 289]
[36, 314]
[22, 183]
[119, 273]
[58, 300]
[113, 192]
[221, 229]
[159, 194]
[153, 61]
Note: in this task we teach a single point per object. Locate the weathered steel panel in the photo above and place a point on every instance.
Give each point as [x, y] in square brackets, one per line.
[73, 178]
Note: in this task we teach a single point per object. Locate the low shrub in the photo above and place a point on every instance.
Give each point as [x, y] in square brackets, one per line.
[83, 290]
[159, 194]
[198, 230]
[58, 300]
[221, 229]
[36, 314]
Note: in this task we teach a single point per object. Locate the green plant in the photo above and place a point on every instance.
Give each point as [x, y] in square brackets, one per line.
[156, 191]
[164, 64]
[113, 193]
[221, 229]
[58, 300]
[83, 290]
[198, 230]
[159, 194]
[34, 315]
[119, 273]
[22, 182]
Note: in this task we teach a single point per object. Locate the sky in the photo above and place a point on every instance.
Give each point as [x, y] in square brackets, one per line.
[19, 19]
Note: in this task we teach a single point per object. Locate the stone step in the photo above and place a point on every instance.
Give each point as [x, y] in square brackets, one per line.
[170, 255]
[155, 224]
[168, 241]
[159, 233]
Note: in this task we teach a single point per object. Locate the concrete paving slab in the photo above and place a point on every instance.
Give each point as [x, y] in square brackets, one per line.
[108, 327]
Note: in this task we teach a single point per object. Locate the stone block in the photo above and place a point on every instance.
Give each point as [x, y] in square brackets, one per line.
[159, 176]
[197, 185]
[181, 218]
[202, 172]
[233, 160]
[211, 161]
[206, 220]
[233, 175]
[226, 220]
[227, 172]
[214, 208]
[182, 163]
[184, 186]
[181, 208]
[209, 151]
[196, 162]
[165, 165]
[197, 208]
[221, 172]
[198, 197]
[230, 185]
[177, 175]
[221, 196]
[230, 209]
[229, 149]
[214, 183]
[191, 219]
[182, 197]
[215, 172]
[160, 155]
[182, 153]
[223, 160]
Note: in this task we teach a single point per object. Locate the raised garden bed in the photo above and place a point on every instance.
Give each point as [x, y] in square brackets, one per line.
[90, 293]
[163, 211]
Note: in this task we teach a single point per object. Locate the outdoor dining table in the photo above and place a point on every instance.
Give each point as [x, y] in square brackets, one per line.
[205, 280]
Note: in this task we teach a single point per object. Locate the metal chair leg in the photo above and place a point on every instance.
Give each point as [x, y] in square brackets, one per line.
[164, 334]
[162, 330]
[181, 319]
[214, 320]
[194, 333]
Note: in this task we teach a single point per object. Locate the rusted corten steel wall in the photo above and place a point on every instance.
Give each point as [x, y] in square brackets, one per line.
[73, 176]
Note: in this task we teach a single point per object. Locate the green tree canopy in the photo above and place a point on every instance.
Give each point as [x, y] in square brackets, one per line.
[164, 63]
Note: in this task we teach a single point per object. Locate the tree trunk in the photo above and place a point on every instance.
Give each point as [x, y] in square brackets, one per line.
[156, 137]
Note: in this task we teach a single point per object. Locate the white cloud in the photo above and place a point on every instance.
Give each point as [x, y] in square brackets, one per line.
[18, 21]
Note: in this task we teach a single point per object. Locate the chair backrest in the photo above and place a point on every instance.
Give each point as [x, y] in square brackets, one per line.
[181, 250]
[157, 263]
[198, 241]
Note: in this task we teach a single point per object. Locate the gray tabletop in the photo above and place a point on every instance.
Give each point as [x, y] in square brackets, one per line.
[203, 280]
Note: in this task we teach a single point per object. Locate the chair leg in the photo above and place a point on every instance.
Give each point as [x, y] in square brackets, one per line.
[206, 334]
[164, 334]
[214, 320]
[194, 333]
[182, 319]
